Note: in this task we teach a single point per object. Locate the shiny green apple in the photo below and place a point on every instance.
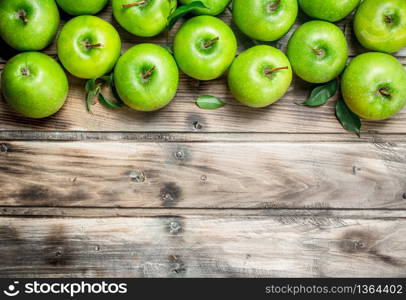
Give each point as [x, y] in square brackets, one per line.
[214, 7]
[146, 77]
[28, 25]
[205, 47]
[88, 47]
[34, 85]
[145, 18]
[318, 51]
[82, 7]
[260, 76]
[265, 20]
[374, 86]
[380, 25]
[328, 10]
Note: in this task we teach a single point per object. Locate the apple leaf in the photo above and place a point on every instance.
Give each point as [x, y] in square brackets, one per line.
[90, 85]
[89, 99]
[347, 118]
[209, 102]
[108, 79]
[183, 10]
[321, 94]
[103, 100]
[93, 89]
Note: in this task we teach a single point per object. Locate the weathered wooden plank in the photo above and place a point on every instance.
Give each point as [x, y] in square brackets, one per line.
[202, 246]
[183, 116]
[117, 212]
[204, 175]
[206, 137]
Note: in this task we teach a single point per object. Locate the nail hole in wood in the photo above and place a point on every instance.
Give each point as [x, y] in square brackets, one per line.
[178, 265]
[137, 176]
[179, 155]
[355, 170]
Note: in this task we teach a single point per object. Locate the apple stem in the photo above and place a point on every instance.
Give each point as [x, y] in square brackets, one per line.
[137, 3]
[388, 19]
[317, 51]
[274, 5]
[273, 70]
[22, 14]
[98, 45]
[385, 93]
[211, 42]
[147, 74]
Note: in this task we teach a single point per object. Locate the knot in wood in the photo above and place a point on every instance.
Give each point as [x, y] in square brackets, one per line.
[137, 176]
[174, 227]
[197, 125]
[179, 155]
[3, 148]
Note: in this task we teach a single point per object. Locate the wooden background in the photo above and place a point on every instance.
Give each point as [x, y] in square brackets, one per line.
[235, 192]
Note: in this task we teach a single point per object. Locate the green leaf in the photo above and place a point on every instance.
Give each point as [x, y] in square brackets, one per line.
[347, 118]
[90, 85]
[321, 94]
[173, 4]
[209, 102]
[183, 10]
[89, 99]
[109, 103]
[108, 79]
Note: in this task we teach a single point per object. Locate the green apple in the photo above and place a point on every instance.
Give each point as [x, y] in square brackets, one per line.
[374, 86]
[260, 76]
[28, 25]
[380, 25]
[145, 18]
[81, 7]
[88, 47]
[214, 7]
[146, 77]
[318, 51]
[205, 47]
[328, 10]
[34, 85]
[265, 20]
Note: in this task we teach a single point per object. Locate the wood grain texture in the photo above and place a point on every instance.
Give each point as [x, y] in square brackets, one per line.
[204, 175]
[120, 212]
[182, 115]
[237, 192]
[201, 246]
[206, 137]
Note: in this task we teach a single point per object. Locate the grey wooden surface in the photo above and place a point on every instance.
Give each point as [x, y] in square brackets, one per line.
[276, 192]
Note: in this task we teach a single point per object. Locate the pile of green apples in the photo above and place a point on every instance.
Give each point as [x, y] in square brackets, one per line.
[146, 77]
